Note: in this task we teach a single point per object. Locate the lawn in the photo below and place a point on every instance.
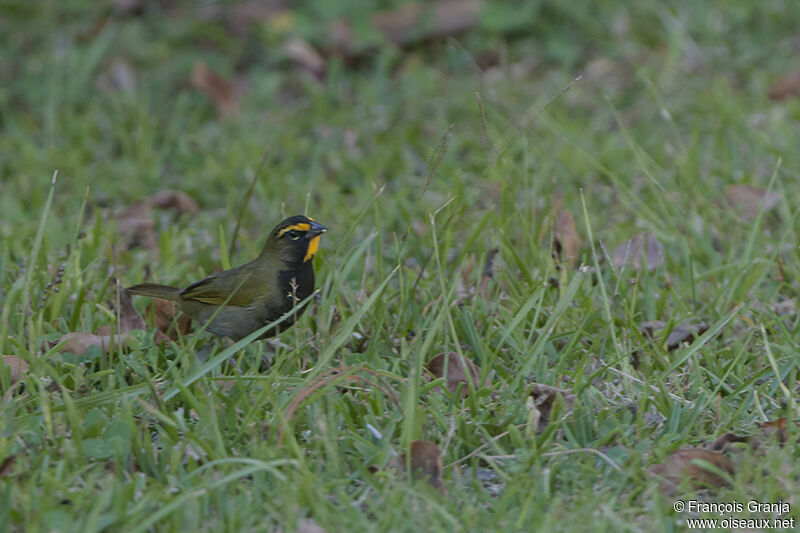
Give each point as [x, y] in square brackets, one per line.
[558, 291]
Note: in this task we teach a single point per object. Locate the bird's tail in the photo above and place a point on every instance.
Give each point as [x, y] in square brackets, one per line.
[157, 291]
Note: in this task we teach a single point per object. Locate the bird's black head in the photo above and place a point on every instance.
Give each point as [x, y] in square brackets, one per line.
[296, 239]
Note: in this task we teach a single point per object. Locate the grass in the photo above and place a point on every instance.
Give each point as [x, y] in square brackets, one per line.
[417, 183]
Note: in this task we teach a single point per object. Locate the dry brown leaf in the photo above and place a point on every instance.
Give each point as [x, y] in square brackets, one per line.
[457, 369]
[218, 89]
[566, 240]
[723, 443]
[175, 199]
[305, 55]
[786, 87]
[129, 319]
[749, 199]
[164, 312]
[544, 398]
[135, 225]
[79, 342]
[630, 252]
[775, 427]
[692, 464]
[7, 465]
[686, 331]
[649, 329]
[411, 23]
[16, 366]
[426, 462]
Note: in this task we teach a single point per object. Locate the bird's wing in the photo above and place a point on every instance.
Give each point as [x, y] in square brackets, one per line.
[215, 289]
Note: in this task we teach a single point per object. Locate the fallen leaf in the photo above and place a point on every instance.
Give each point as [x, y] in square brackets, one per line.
[7, 465]
[16, 366]
[218, 89]
[649, 329]
[723, 443]
[175, 199]
[630, 252]
[566, 241]
[786, 87]
[79, 342]
[425, 462]
[686, 331]
[164, 312]
[305, 55]
[749, 200]
[455, 368]
[411, 23]
[693, 464]
[775, 427]
[129, 319]
[543, 399]
[135, 225]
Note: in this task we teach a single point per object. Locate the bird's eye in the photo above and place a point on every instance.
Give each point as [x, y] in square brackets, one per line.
[293, 234]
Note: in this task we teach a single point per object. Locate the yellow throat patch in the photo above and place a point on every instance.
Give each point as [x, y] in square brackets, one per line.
[313, 246]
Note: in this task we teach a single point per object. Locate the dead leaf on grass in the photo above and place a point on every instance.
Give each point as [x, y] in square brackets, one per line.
[219, 90]
[458, 372]
[425, 462]
[79, 342]
[700, 467]
[305, 55]
[684, 332]
[566, 240]
[7, 465]
[164, 313]
[786, 87]
[631, 251]
[411, 23]
[129, 319]
[175, 199]
[777, 428]
[136, 224]
[723, 443]
[749, 199]
[543, 398]
[17, 367]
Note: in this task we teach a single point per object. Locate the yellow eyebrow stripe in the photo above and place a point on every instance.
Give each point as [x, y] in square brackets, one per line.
[300, 226]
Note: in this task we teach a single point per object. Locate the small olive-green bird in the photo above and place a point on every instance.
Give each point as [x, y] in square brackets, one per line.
[256, 293]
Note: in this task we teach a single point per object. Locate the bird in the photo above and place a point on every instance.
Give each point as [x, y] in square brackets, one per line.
[250, 296]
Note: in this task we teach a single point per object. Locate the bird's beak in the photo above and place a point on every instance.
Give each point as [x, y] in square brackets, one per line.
[316, 229]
